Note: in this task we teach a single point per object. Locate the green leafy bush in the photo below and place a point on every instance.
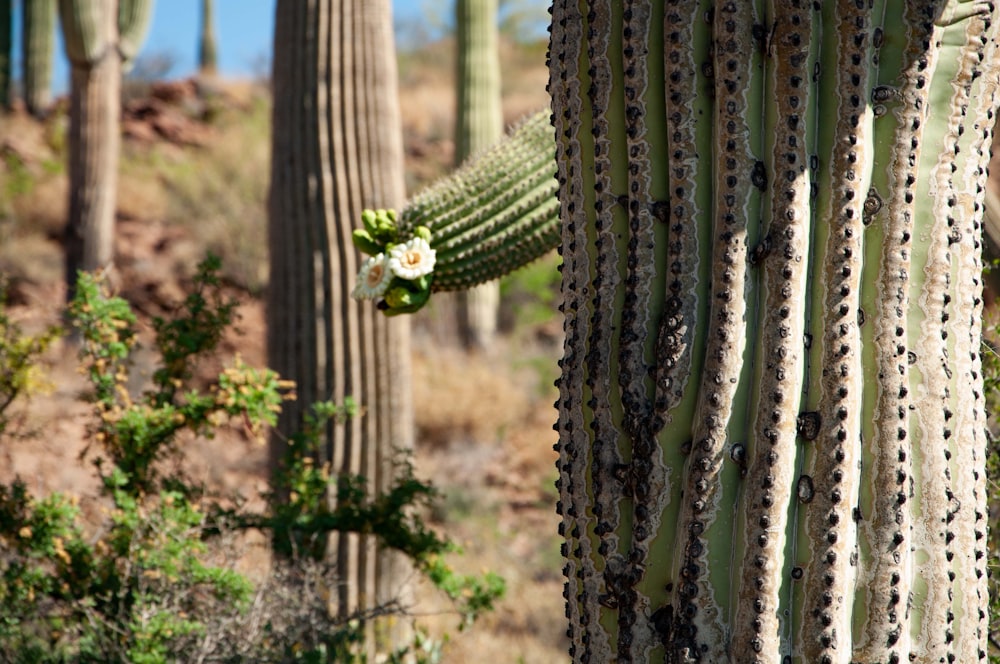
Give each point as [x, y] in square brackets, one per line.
[154, 580]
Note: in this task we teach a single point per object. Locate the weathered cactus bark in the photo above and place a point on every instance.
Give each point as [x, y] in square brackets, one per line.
[208, 64]
[479, 124]
[37, 49]
[771, 406]
[101, 36]
[336, 150]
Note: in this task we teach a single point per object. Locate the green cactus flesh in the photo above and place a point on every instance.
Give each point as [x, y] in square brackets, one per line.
[771, 422]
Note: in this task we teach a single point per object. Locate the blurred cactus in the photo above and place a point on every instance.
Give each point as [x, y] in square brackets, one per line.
[101, 37]
[326, 166]
[38, 49]
[6, 45]
[479, 124]
[208, 64]
[479, 114]
[133, 24]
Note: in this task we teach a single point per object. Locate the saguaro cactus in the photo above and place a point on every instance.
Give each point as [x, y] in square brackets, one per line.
[37, 48]
[478, 125]
[208, 64]
[336, 148]
[771, 408]
[6, 44]
[101, 37]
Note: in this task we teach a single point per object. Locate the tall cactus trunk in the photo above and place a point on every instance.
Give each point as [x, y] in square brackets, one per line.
[90, 32]
[38, 46]
[771, 406]
[101, 37]
[336, 150]
[479, 124]
[208, 64]
[6, 45]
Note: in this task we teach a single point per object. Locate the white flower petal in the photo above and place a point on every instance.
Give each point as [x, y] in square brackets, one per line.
[412, 260]
[373, 278]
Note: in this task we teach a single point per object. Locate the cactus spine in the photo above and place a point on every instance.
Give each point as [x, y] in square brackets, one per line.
[208, 64]
[38, 46]
[333, 56]
[101, 36]
[771, 407]
[479, 124]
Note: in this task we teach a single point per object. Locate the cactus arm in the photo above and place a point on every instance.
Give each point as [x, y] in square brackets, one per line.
[491, 216]
[133, 24]
[38, 45]
[85, 38]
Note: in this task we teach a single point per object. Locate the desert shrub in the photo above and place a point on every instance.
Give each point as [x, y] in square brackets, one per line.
[154, 580]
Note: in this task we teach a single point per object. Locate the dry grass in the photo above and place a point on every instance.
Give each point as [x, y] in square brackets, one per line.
[485, 439]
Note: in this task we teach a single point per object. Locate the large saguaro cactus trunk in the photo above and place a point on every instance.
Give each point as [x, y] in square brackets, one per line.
[336, 150]
[478, 125]
[101, 36]
[771, 407]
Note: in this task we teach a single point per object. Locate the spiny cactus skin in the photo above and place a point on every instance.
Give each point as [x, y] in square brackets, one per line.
[208, 64]
[478, 125]
[771, 406]
[38, 47]
[327, 165]
[495, 213]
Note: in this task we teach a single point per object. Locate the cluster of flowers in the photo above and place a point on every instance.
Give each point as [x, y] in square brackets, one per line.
[398, 274]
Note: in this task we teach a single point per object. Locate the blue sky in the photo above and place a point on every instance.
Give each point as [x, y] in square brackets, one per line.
[243, 32]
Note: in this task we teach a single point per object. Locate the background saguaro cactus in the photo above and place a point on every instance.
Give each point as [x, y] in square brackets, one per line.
[6, 44]
[336, 149]
[101, 37]
[478, 125]
[771, 406]
[208, 64]
[37, 48]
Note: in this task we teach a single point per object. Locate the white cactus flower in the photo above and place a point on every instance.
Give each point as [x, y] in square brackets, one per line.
[373, 278]
[412, 260]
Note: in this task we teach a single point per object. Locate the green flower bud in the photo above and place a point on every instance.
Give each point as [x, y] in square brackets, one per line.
[400, 299]
[368, 217]
[423, 232]
[364, 242]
